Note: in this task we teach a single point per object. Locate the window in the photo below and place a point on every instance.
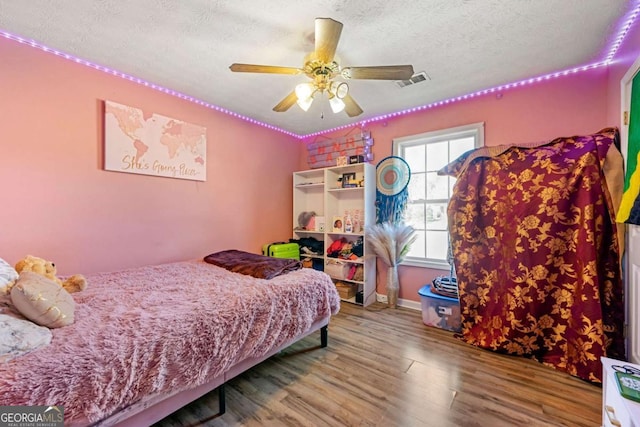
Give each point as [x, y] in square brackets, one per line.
[429, 193]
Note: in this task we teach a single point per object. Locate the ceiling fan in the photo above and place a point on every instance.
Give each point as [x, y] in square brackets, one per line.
[323, 70]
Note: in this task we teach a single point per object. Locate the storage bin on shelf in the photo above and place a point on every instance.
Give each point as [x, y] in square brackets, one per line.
[440, 311]
[337, 269]
[344, 269]
[346, 290]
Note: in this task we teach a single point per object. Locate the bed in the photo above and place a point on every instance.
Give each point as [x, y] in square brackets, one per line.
[146, 341]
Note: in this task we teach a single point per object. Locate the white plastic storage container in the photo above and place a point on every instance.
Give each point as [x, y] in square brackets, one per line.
[439, 311]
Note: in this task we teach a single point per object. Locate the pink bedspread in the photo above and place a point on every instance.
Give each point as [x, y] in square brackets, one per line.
[162, 328]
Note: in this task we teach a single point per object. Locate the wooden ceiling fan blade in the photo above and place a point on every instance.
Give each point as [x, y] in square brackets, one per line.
[286, 103]
[271, 69]
[327, 34]
[383, 72]
[351, 107]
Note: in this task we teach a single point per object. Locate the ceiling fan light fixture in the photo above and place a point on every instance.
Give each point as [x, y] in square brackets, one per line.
[304, 91]
[337, 104]
[339, 89]
[305, 104]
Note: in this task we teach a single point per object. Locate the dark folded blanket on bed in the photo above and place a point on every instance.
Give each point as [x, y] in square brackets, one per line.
[260, 266]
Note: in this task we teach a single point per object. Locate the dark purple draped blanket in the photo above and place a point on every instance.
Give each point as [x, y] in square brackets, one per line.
[536, 253]
[259, 266]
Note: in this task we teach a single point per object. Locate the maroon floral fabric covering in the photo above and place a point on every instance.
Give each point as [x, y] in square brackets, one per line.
[536, 253]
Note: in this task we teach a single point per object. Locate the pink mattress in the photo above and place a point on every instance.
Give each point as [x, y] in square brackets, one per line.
[162, 329]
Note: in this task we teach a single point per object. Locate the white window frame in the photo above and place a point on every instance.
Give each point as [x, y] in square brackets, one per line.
[475, 130]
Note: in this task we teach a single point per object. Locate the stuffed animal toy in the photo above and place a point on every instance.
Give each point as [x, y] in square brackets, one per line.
[306, 221]
[75, 283]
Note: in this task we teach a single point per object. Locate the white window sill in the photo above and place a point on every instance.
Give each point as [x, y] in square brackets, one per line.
[427, 264]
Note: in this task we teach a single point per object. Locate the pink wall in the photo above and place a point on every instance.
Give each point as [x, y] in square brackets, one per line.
[560, 107]
[59, 203]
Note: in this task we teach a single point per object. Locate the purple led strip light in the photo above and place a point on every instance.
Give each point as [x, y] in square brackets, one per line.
[117, 73]
[624, 29]
[625, 26]
[467, 96]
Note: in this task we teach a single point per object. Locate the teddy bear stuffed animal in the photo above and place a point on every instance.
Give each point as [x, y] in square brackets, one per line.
[75, 283]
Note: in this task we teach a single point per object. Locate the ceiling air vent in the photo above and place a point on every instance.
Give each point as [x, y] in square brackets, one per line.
[415, 79]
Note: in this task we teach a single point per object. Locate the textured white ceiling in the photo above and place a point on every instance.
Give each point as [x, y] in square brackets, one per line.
[188, 45]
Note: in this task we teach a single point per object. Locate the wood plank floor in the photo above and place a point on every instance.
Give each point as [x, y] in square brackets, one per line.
[384, 367]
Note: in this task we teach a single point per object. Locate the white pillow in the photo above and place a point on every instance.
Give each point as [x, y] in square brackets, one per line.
[18, 337]
[42, 300]
[8, 276]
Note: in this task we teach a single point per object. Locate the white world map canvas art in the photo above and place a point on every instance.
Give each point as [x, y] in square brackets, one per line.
[146, 143]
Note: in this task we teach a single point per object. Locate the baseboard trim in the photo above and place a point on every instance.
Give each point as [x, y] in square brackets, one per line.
[405, 303]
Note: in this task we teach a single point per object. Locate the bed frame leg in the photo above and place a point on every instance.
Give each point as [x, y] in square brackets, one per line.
[222, 405]
[324, 336]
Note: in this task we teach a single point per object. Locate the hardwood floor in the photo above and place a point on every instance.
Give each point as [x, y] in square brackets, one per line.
[384, 367]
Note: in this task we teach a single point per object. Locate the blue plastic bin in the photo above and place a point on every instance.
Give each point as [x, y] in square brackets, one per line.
[439, 311]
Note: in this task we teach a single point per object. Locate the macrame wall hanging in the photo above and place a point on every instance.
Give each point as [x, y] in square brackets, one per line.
[392, 178]
[325, 152]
